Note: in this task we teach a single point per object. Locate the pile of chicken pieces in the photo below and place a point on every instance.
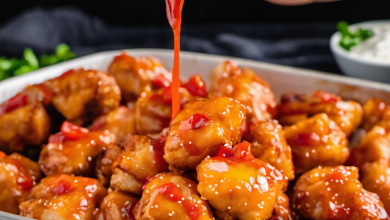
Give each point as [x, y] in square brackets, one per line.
[102, 145]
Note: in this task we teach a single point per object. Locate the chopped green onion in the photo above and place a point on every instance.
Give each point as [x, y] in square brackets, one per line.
[350, 39]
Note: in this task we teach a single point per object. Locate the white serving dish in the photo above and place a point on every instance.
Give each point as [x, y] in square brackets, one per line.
[357, 66]
[281, 78]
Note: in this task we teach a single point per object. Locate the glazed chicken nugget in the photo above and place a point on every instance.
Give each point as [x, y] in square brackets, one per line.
[335, 193]
[376, 178]
[282, 208]
[170, 196]
[24, 120]
[374, 111]
[247, 88]
[117, 206]
[136, 75]
[141, 159]
[236, 183]
[18, 175]
[119, 122]
[200, 129]
[105, 161]
[73, 151]
[295, 107]
[64, 197]
[154, 109]
[269, 145]
[374, 146]
[317, 141]
[81, 95]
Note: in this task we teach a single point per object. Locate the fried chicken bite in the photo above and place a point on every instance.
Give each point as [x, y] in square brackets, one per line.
[119, 122]
[73, 150]
[136, 75]
[335, 193]
[64, 197]
[104, 163]
[247, 88]
[269, 145]
[81, 95]
[282, 208]
[141, 159]
[376, 178]
[24, 120]
[374, 146]
[294, 108]
[117, 206]
[374, 111]
[236, 183]
[18, 175]
[154, 109]
[200, 129]
[170, 196]
[316, 141]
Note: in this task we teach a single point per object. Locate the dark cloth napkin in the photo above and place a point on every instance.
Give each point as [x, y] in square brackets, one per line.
[303, 45]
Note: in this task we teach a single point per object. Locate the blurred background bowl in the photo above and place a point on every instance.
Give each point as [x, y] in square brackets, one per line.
[355, 66]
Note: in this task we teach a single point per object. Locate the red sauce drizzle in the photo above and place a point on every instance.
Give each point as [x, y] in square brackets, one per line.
[174, 8]
[161, 81]
[14, 103]
[327, 97]
[171, 192]
[73, 132]
[24, 180]
[57, 138]
[62, 187]
[196, 121]
[196, 86]
[158, 150]
[307, 139]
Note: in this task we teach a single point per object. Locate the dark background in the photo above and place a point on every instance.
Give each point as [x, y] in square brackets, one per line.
[140, 12]
[253, 29]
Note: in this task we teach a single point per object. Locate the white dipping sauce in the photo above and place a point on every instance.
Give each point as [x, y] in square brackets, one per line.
[377, 47]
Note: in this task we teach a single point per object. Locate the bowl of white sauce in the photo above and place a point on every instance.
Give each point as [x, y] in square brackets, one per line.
[369, 59]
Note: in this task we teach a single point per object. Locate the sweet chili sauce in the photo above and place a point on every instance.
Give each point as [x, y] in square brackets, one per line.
[174, 8]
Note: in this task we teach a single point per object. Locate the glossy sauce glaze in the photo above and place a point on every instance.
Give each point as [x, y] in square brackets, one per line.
[141, 159]
[316, 141]
[335, 193]
[245, 86]
[117, 206]
[24, 120]
[295, 107]
[218, 121]
[18, 175]
[269, 145]
[174, 8]
[171, 196]
[73, 150]
[375, 178]
[236, 183]
[154, 109]
[64, 197]
[374, 146]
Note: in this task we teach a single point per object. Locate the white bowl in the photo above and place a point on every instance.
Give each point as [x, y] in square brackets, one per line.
[360, 67]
